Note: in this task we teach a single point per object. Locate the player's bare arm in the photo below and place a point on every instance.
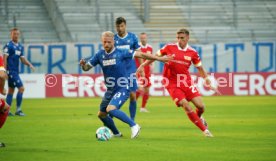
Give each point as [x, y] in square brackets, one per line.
[202, 72]
[85, 66]
[26, 62]
[204, 75]
[140, 69]
[5, 57]
[152, 57]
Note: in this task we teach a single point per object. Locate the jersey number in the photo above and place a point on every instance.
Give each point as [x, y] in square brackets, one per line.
[118, 95]
[193, 88]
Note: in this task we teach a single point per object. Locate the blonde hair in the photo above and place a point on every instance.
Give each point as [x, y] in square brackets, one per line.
[108, 34]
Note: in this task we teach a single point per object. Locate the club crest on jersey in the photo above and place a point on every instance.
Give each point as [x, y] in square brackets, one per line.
[109, 62]
[187, 58]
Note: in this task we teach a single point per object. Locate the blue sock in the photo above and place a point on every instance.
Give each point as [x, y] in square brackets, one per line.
[122, 116]
[19, 97]
[132, 109]
[108, 122]
[9, 99]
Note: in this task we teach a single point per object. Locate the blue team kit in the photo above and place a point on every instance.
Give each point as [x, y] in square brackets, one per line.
[129, 42]
[14, 52]
[115, 75]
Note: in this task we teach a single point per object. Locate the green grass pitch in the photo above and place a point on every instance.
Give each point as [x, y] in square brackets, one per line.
[62, 129]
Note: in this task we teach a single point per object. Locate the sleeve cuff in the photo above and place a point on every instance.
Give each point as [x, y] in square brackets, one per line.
[2, 69]
[89, 64]
[159, 53]
[198, 64]
[133, 55]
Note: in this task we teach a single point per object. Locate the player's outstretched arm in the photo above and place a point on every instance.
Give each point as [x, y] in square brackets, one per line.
[140, 69]
[152, 57]
[208, 82]
[84, 65]
[26, 62]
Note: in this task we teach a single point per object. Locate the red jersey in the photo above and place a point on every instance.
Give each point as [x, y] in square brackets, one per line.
[145, 49]
[183, 58]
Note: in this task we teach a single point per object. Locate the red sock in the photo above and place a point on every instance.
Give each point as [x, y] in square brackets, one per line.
[145, 100]
[199, 111]
[3, 116]
[196, 120]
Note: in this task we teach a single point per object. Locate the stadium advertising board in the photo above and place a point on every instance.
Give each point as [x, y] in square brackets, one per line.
[92, 85]
[65, 85]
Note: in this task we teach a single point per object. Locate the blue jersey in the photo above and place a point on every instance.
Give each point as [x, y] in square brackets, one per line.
[14, 52]
[130, 42]
[113, 66]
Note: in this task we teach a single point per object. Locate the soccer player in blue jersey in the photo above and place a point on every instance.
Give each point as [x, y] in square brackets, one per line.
[128, 40]
[13, 51]
[113, 63]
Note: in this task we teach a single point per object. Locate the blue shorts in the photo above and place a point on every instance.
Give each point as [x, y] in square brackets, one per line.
[116, 98]
[14, 80]
[133, 86]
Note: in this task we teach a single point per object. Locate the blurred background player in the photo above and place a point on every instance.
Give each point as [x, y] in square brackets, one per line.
[112, 61]
[13, 51]
[144, 81]
[128, 40]
[4, 107]
[180, 85]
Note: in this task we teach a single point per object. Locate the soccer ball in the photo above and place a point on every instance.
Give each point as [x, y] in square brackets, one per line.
[103, 134]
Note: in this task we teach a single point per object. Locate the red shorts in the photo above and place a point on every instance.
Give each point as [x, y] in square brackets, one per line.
[180, 93]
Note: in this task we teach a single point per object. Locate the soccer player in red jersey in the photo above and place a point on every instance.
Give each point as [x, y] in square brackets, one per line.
[177, 79]
[4, 107]
[144, 80]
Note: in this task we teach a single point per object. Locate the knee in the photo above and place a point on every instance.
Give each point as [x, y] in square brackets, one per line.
[186, 106]
[11, 91]
[21, 89]
[102, 114]
[132, 96]
[110, 108]
[200, 106]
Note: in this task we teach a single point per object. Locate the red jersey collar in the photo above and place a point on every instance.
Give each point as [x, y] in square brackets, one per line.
[143, 45]
[185, 49]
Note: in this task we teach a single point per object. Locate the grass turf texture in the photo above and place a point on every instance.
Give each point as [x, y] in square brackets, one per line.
[64, 130]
